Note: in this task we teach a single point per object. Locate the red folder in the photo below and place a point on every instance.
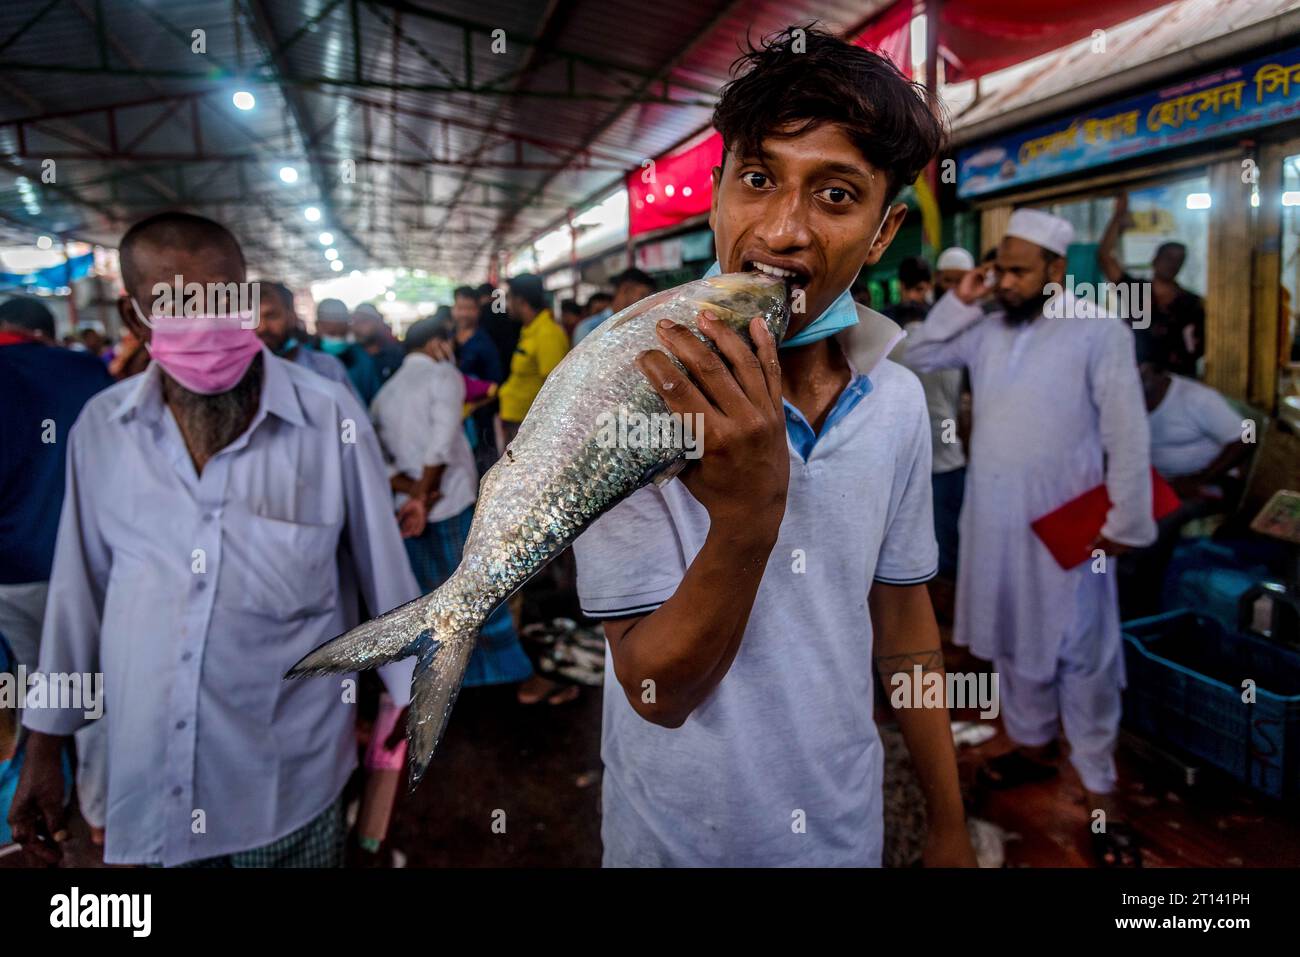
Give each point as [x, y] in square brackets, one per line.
[1070, 531]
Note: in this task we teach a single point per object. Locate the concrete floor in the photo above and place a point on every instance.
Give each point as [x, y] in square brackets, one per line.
[538, 764]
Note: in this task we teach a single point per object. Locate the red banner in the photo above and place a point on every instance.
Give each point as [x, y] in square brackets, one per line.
[673, 188]
[890, 35]
[981, 36]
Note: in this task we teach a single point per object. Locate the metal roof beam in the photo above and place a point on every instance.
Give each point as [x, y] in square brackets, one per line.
[475, 28]
[31, 21]
[261, 77]
[553, 20]
[720, 13]
[322, 178]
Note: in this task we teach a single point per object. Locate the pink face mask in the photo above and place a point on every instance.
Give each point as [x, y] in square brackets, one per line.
[205, 354]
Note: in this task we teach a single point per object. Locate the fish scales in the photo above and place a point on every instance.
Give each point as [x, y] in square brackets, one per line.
[556, 477]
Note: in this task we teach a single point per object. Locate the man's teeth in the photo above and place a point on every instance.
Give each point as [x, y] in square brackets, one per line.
[775, 271]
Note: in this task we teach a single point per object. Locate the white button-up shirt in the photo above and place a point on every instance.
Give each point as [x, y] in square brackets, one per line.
[193, 594]
[418, 417]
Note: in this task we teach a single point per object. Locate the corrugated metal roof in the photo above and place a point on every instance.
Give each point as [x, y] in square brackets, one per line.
[460, 149]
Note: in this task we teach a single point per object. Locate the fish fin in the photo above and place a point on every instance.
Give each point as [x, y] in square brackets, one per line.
[439, 671]
[377, 642]
[639, 308]
[670, 471]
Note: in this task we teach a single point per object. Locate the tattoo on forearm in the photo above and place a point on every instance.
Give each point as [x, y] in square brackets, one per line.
[930, 659]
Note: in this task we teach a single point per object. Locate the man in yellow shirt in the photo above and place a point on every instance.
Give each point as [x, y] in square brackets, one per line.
[542, 344]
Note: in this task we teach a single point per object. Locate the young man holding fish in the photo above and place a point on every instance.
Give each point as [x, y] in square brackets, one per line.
[744, 603]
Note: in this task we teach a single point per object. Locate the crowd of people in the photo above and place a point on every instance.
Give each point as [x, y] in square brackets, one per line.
[248, 489]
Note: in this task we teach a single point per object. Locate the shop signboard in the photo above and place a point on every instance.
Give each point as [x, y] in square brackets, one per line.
[1233, 100]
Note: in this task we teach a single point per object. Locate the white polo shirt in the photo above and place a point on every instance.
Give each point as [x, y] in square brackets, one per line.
[781, 764]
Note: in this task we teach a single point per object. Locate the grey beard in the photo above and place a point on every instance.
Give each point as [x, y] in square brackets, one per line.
[211, 422]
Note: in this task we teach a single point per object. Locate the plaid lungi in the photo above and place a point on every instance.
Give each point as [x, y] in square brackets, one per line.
[498, 657]
[318, 843]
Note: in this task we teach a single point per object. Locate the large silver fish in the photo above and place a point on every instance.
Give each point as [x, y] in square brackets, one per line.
[559, 475]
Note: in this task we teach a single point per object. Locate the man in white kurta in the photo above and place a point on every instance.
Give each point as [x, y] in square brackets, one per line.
[1058, 410]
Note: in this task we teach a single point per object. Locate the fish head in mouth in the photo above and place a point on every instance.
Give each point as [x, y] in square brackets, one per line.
[736, 298]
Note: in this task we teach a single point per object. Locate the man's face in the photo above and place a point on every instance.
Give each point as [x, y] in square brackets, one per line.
[365, 327]
[1022, 271]
[629, 292]
[517, 309]
[1168, 261]
[1153, 380]
[946, 279]
[464, 310]
[159, 265]
[921, 292]
[333, 328]
[811, 204]
[277, 321]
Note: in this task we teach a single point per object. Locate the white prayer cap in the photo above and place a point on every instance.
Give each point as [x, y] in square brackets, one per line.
[1042, 229]
[954, 257]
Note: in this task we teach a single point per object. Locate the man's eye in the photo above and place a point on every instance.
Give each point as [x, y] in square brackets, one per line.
[836, 195]
[756, 180]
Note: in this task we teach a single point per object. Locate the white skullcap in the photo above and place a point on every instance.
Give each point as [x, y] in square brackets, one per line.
[1042, 229]
[954, 257]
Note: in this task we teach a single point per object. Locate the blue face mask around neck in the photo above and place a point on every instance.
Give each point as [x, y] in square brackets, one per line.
[840, 314]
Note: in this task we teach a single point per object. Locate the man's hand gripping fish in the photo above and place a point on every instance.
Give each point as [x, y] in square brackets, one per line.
[557, 477]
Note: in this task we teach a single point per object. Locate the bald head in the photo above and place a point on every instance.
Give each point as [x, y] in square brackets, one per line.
[167, 241]
[175, 251]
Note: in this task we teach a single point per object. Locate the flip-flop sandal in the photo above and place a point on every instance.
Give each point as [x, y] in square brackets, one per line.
[1013, 769]
[1118, 846]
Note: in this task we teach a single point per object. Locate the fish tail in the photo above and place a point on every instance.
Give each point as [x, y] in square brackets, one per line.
[377, 642]
[442, 642]
[439, 671]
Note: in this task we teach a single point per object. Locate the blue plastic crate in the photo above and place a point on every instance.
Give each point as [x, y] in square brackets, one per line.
[1185, 674]
[1210, 577]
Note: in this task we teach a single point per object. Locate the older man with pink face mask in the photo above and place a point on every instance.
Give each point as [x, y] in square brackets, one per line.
[211, 502]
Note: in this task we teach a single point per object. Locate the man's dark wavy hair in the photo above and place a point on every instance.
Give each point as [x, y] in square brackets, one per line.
[889, 118]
